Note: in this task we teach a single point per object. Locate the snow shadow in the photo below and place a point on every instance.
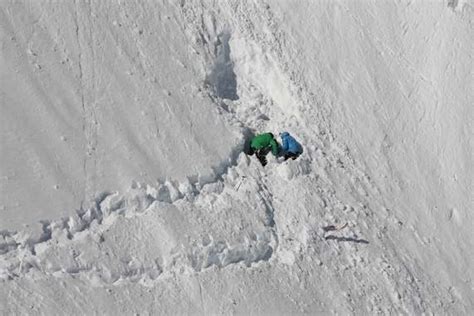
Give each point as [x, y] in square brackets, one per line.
[222, 77]
[344, 239]
[248, 135]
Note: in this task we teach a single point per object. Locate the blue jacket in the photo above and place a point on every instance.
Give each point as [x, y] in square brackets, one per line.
[289, 144]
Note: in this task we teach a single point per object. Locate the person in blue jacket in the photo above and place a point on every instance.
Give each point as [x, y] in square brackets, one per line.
[290, 148]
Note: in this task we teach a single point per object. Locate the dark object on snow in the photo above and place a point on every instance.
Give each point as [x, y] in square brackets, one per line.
[346, 239]
[334, 227]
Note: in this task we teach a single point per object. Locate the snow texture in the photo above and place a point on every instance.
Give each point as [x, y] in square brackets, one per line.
[124, 188]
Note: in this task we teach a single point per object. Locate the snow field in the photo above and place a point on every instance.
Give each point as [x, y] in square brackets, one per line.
[239, 238]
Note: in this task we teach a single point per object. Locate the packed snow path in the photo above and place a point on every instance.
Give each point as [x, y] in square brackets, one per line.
[219, 233]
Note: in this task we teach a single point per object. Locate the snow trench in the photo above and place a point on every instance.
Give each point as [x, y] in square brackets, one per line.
[78, 245]
[144, 234]
[134, 235]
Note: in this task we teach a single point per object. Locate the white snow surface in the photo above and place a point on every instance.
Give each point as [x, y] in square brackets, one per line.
[124, 189]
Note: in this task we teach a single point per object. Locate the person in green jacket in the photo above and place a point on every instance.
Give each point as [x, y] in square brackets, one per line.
[262, 144]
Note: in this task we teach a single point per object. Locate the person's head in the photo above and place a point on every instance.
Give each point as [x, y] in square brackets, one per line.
[284, 134]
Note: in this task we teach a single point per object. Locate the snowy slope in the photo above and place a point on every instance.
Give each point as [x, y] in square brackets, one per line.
[124, 188]
[106, 100]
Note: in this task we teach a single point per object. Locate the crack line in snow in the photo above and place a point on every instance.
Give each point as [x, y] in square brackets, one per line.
[82, 97]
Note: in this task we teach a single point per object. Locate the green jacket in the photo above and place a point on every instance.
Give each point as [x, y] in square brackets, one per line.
[263, 141]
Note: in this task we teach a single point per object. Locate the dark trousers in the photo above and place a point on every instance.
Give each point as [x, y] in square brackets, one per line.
[263, 151]
[261, 154]
[291, 155]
